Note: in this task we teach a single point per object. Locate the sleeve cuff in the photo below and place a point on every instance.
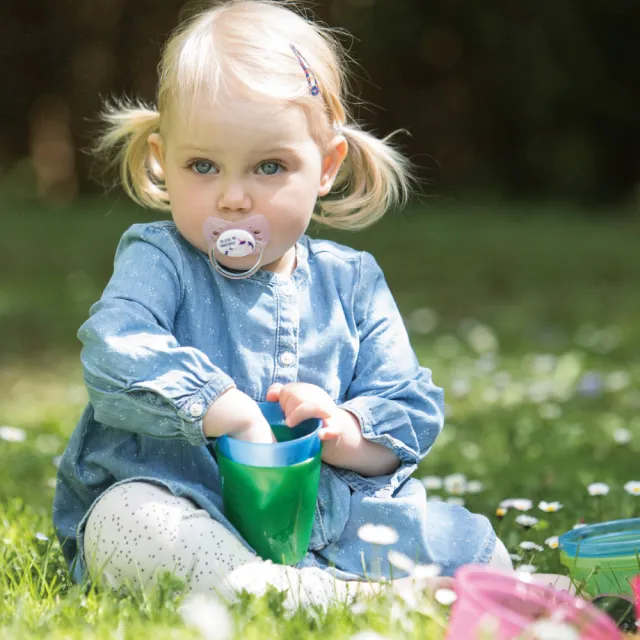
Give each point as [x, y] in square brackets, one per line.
[377, 485]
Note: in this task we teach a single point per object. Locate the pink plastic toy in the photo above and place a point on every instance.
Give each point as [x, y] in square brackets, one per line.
[636, 589]
[497, 605]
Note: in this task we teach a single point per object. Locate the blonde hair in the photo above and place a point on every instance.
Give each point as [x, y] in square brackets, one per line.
[249, 42]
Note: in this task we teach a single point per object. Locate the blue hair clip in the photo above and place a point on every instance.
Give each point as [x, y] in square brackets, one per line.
[308, 72]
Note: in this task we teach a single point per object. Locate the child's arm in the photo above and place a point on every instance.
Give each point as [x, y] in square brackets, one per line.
[392, 397]
[137, 375]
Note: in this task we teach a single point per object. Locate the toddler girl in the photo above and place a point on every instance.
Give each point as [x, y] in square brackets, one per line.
[230, 303]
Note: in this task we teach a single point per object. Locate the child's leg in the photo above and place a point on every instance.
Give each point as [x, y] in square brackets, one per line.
[500, 558]
[139, 528]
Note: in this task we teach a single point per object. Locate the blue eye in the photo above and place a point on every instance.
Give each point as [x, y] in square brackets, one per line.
[270, 168]
[202, 167]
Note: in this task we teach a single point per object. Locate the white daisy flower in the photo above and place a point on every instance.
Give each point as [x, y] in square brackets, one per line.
[549, 507]
[455, 484]
[526, 521]
[552, 542]
[41, 536]
[434, 498]
[475, 486]
[208, 615]
[426, 571]
[445, 597]
[598, 489]
[456, 500]
[530, 546]
[527, 568]
[521, 504]
[551, 630]
[633, 487]
[432, 482]
[401, 561]
[377, 534]
[622, 436]
[515, 557]
[12, 434]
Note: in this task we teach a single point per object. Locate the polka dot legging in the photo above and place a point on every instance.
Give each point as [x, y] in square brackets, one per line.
[138, 529]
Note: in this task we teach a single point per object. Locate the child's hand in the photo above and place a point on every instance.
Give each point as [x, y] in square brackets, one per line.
[301, 400]
[234, 413]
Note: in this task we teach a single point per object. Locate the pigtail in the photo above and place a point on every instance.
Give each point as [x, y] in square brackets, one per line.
[124, 143]
[374, 178]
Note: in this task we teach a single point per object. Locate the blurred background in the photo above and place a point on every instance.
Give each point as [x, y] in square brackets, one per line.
[516, 270]
[513, 99]
[523, 119]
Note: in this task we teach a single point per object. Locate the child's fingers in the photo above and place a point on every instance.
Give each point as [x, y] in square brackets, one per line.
[303, 412]
[273, 393]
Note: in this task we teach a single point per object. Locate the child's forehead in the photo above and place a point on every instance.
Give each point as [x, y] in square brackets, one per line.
[259, 121]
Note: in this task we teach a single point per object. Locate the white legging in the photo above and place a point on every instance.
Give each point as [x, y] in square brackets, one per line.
[139, 529]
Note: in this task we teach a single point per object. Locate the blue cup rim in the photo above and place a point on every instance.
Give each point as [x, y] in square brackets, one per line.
[602, 540]
[277, 454]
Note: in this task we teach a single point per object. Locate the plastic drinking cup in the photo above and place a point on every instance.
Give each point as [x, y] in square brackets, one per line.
[499, 605]
[269, 491]
[604, 557]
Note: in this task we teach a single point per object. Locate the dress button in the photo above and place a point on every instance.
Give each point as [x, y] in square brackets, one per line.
[196, 409]
[287, 358]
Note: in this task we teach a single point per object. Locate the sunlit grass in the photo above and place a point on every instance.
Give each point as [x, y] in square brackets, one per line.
[530, 324]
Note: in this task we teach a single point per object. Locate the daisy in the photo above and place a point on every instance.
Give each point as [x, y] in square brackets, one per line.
[432, 482]
[501, 512]
[377, 534]
[633, 487]
[598, 489]
[530, 546]
[445, 597]
[455, 484]
[622, 436]
[401, 561]
[552, 542]
[526, 521]
[456, 500]
[527, 568]
[12, 434]
[549, 507]
[208, 615]
[521, 504]
[475, 486]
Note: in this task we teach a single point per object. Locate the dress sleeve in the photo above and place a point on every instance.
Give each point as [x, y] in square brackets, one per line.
[391, 395]
[138, 376]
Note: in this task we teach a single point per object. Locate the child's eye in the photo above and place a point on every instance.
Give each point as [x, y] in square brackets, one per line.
[202, 167]
[270, 168]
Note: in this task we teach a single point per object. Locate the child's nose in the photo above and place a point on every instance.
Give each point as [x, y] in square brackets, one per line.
[234, 198]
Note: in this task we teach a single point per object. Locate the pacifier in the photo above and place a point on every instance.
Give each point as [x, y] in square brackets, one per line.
[237, 240]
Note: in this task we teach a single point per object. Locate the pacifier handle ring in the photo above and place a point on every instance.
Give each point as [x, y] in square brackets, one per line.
[232, 274]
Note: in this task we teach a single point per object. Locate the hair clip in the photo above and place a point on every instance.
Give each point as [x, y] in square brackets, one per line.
[308, 72]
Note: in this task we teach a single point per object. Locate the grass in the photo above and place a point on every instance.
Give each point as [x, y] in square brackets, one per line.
[529, 318]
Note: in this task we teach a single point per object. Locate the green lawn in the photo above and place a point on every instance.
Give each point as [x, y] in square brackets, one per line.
[529, 318]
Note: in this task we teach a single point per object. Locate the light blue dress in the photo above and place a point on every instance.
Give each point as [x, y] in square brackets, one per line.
[170, 334]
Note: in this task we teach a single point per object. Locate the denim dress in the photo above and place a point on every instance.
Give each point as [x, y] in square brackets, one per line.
[170, 334]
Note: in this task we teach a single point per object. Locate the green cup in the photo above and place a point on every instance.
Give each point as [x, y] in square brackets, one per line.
[603, 557]
[270, 491]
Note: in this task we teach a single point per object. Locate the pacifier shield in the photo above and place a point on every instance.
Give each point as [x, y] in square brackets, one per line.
[236, 243]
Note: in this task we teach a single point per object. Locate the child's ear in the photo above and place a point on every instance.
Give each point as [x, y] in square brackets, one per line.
[156, 147]
[334, 157]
